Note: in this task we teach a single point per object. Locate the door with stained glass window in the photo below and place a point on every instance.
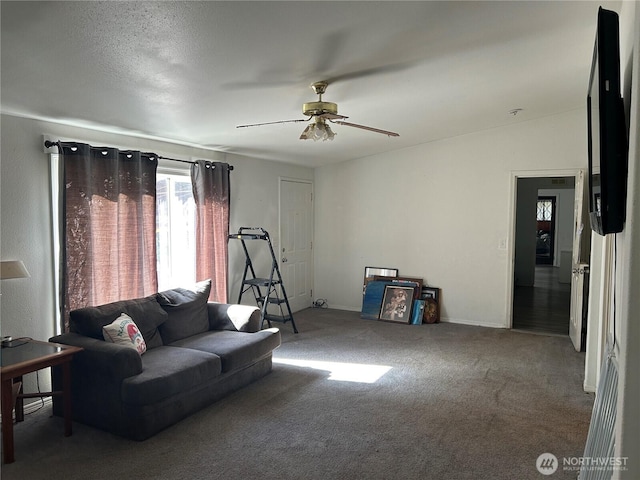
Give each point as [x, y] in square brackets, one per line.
[545, 231]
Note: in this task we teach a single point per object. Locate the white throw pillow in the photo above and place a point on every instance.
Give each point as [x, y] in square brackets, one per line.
[124, 331]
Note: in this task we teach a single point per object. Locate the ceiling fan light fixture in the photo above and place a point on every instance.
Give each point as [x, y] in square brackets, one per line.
[319, 130]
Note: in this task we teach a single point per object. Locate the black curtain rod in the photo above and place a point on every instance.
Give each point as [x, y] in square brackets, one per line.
[49, 144]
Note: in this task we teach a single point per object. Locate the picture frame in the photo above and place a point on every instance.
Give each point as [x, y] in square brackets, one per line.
[396, 304]
[418, 282]
[381, 271]
[371, 272]
[431, 297]
[431, 292]
[417, 317]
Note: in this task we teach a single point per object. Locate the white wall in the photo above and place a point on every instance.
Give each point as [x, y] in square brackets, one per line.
[255, 203]
[627, 324]
[27, 305]
[525, 236]
[439, 211]
[614, 302]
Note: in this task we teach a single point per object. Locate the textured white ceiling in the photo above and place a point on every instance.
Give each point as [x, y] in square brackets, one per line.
[191, 71]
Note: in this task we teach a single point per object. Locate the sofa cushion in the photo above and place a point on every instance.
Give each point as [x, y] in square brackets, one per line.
[167, 371]
[124, 331]
[148, 315]
[236, 349]
[187, 311]
[241, 318]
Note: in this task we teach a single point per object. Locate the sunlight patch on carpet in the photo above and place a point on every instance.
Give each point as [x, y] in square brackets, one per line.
[342, 372]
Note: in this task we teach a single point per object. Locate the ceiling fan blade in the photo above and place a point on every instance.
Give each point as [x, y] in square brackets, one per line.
[332, 116]
[328, 50]
[251, 85]
[273, 123]
[371, 129]
[368, 72]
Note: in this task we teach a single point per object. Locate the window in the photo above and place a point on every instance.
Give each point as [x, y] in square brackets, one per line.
[175, 230]
[171, 229]
[545, 210]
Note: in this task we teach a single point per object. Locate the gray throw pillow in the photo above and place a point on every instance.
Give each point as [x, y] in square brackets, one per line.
[187, 311]
[145, 312]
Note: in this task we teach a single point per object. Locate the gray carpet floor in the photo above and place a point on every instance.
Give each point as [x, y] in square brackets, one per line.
[354, 399]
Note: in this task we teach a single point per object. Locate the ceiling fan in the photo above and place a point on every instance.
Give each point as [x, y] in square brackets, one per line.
[320, 112]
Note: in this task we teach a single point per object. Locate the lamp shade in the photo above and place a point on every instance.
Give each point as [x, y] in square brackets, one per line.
[13, 269]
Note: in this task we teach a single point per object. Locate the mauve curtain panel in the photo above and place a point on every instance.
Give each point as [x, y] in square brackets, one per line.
[109, 204]
[211, 193]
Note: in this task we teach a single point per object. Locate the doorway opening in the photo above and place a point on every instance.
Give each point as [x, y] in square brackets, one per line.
[544, 225]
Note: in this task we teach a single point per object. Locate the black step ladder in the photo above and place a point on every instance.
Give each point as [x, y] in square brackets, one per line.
[259, 285]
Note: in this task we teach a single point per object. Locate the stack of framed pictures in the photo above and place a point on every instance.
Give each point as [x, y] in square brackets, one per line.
[388, 297]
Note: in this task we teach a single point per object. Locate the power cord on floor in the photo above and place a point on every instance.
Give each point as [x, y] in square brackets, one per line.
[320, 303]
[35, 409]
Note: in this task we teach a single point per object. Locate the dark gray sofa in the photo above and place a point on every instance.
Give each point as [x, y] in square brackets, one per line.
[197, 352]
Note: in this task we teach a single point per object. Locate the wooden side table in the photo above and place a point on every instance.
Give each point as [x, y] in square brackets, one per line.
[27, 357]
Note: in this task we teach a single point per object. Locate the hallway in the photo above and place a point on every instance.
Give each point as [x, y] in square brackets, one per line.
[545, 307]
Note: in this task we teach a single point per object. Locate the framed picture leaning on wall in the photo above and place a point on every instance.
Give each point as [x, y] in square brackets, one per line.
[396, 304]
[431, 297]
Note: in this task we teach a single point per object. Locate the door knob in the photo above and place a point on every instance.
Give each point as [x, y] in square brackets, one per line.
[284, 260]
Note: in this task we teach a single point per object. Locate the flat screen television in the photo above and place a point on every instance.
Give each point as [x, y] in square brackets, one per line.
[607, 132]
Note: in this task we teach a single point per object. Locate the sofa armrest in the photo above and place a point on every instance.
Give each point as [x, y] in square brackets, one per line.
[241, 318]
[100, 358]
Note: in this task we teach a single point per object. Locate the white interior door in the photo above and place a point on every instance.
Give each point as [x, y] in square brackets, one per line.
[580, 258]
[296, 242]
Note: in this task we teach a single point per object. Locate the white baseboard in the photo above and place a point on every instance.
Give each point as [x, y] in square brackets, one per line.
[460, 321]
[344, 307]
[35, 405]
[473, 323]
